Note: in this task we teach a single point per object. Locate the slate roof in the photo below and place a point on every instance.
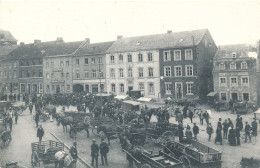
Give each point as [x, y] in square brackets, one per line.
[241, 50]
[5, 50]
[6, 36]
[158, 41]
[94, 48]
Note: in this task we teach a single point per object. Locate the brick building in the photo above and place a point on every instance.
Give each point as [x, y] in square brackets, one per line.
[235, 74]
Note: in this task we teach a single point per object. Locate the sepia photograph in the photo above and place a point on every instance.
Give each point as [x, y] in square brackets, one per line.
[129, 84]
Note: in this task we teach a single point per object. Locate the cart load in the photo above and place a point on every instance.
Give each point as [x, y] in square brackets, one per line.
[45, 152]
[195, 153]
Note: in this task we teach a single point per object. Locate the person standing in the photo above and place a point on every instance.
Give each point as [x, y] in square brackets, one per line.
[201, 117]
[206, 116]
[37, 118]
[74, 154]
[254, 127]
[16, 116]
[104, 149]
[195, 131]
[247, 132]
[219, 124]
[232, 137]
[30, 107]
[225, 129]
[238, 135]
[10, 122]
[188, 135]
[218, 136]
[180, 131]
[40, 133]
[94, 152]
[185, 109]
[209, 131]
[191, 115]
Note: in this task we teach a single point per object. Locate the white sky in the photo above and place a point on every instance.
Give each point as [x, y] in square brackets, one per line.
[229, 22]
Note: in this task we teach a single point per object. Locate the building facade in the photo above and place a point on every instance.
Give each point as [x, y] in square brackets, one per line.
[186, 66]
[89, 68]
[235, 73]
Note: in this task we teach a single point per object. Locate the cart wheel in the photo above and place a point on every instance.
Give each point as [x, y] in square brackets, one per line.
[34, 159]
[167, 134]
[87, 120]
[9, 138]
[145, 166]
[186, 162]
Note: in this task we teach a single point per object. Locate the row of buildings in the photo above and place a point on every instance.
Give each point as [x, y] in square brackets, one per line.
[174, 64]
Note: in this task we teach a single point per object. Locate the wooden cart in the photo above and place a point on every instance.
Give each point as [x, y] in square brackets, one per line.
[45, 152]
[195, 154]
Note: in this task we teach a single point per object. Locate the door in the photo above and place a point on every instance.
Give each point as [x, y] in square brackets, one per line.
[28, 88]
[178, 90]
[87, 88]
[246, 96]
[234, 96]
[57, 88]
[129, 90]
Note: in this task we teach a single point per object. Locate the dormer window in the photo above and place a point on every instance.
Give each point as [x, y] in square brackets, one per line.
[234, 55]
[221, 66]
[233, 65]
[243, 65]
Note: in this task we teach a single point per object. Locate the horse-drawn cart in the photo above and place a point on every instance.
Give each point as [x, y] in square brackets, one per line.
[45, 152]
[195, 154]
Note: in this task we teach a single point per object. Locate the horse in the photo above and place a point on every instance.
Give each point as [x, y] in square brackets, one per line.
[6, 137]
[64, 160]
[109, 131]
[64, 121]
[250, 162]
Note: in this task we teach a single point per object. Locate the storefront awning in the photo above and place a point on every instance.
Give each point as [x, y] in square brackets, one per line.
[121, 97]
[211, 94]
[144, 99]
[103, 94]
[132, 102]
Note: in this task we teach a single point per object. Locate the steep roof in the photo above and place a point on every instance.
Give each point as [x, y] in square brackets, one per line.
[6, 36]
[241, 50]
[158, 41]
[5, 50]
[94, 48]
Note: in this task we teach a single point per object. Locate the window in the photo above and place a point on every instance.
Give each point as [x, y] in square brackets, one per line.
[243, 65]
[47, 76]
[177, 55]
[189, 70]
[112, 73]
[221, 66]
[14, 73]
[244, 81]
[141, 86]
[121, 73]
[113, 88]
[48, 87]
[167, 71]
[68, 88]
[28, 74]
[33, 62]
[34, 73]
[101, 74]
[150, 72]
[53, 87]
[112, 59]
[86, 61]
[188, 54]
[67, 63]
[100, 60]
[140, 72]
[150, 57]
[52, 75]
[223, 96]
[178, 70]
[61, 74]
[86, 75]
[129, 57]
[130, 72]
[222, 82]
[232, 65]
[47, 64]
[61, 63]
[22, 87]
[122, 88]
[189, 86]
[77, 61]
[40, 73]
[233, 82]
[151, 88]
[93, 60]
[168, 88]
[140, 57]
[62, 88]
[121, 58]
[246, 96]
[166, 56]
[67, 75]
[40, 87]
[94, 74]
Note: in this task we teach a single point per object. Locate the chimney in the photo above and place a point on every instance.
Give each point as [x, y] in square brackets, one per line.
[169, 31]
[21, 43]
[119, 37]
[36, 41]
[87, 40]
[59, 39]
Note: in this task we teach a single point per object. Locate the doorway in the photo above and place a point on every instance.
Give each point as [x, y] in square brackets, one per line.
[57, 88]
[234, 96]
[129, 90]
[178, 90]
[246, 96]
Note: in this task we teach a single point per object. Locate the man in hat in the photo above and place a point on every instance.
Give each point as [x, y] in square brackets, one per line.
[40, 133]
[74, 154]
[254, 127]
[209, 131]
[104, 149]
[94, 152]
[195, 131]
[247, 131]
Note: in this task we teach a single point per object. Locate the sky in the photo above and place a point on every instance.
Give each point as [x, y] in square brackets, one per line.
[229, 21]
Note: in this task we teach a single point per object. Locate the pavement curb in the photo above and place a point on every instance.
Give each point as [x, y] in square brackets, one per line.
[80, 158]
